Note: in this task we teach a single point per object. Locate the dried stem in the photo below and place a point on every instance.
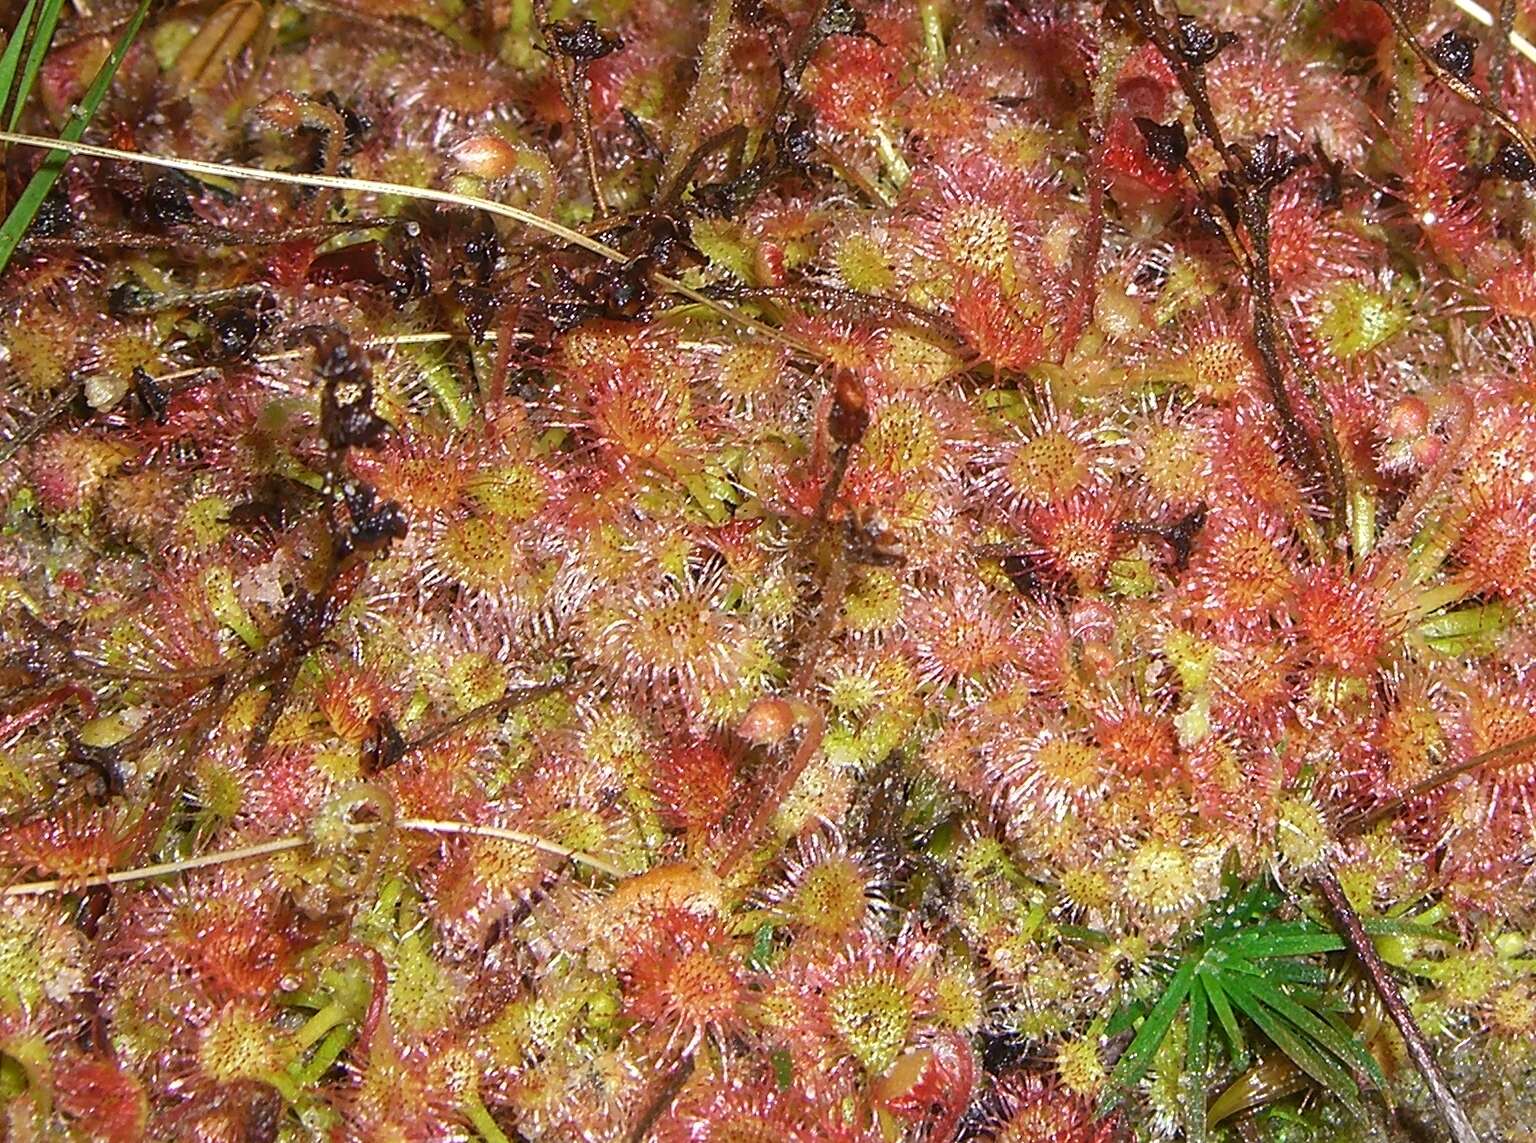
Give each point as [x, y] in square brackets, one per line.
[810, 637]
[1499, 64]
[1458, 85]
[509, 701]
[889, 310]
[147, 872]
[1348, 924]
[1324, 469]
[576, 89]
[531, 840]
[1505, 755]
[668, 1084]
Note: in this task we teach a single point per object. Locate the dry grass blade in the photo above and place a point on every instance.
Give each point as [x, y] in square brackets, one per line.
[328, 182]
[285, 844]
[399, 190]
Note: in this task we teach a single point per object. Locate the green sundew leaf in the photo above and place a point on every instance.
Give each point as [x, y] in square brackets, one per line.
[783, 1069]
[760, 959]
[42, 39]
[1304, 1053]
[12, 54]
[1079, 933]
[1137, 1058]
[1211, 986]
[25, 208]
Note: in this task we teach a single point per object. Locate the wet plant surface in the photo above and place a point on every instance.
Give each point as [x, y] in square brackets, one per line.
[775, 569]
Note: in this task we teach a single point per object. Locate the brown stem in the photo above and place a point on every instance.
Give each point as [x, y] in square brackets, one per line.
[811, 637]
[889, 310]
[1323, 468]
[572, 76]
[1458, 85]
[1085, 252]
[1497, 66]
[1347, 921]
[666, 1091]
[1504, 755]
[509, 701]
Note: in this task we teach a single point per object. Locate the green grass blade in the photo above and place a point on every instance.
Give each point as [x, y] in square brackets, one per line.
[1197, 1058]
[1137, 1058]
[1290, 1039]
[25, 208]
[1196, 1061]
[1329, 1033]
[1283, 939]
[12, 55]
[1359, 1054]
[1236, 1043]
[1291, 971]
[1125, 1017]
[1257, 901]
[42, 40]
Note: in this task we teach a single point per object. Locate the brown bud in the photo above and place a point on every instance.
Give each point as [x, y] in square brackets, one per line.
[486, 156]
[850, 409]
[767, 721]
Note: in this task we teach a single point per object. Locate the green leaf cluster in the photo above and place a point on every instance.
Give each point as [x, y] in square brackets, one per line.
[1250, 974]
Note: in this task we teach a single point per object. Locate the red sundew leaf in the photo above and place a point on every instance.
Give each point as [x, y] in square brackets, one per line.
[104, 1102]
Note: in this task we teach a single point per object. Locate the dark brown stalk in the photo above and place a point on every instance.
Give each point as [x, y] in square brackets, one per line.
[889, 310]
[1498, 65]
[1458, 85]
[1506, 755]
[45, 417]
[1323, 467]
[1348, 924]
[510, 701]
[846, 424]
[572, 76]
[1086, 246]
[669, 1084]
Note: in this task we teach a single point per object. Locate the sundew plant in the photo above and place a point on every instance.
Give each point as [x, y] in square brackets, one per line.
[768, 571]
